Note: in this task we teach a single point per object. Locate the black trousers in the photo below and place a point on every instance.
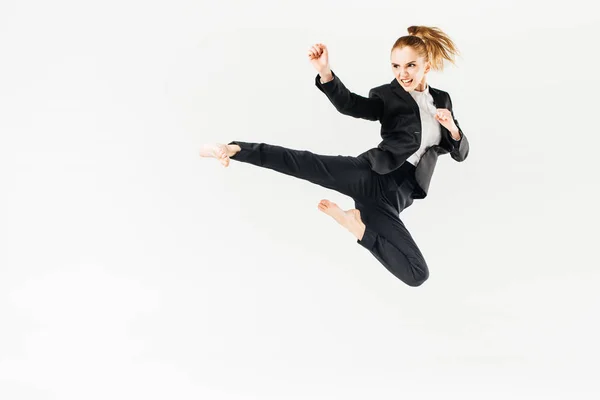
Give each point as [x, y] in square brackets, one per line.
[379, 198]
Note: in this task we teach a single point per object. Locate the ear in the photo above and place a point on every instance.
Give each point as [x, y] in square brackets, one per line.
[427, 66]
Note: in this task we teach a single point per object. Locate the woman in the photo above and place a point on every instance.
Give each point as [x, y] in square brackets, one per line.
[417, 126]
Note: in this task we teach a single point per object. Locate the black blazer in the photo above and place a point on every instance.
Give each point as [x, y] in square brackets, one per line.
[400, 121]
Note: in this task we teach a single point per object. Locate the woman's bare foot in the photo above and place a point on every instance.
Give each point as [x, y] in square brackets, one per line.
[349, 219]
[221, 152]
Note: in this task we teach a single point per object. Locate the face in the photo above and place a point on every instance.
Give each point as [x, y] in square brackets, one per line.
[409, 68]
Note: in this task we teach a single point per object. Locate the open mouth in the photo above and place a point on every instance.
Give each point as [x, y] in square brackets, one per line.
[406, 82]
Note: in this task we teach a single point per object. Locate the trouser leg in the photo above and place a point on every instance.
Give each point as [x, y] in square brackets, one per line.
[351, 176]
[391, 243]
[385, 236]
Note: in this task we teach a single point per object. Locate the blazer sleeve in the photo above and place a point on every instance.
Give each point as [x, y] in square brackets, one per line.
[460, 149]
[352, 104]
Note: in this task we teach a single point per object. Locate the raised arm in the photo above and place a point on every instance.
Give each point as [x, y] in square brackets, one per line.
[345, 101]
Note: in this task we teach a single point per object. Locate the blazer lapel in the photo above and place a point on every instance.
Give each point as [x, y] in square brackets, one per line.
[404, 95]
[438, 100]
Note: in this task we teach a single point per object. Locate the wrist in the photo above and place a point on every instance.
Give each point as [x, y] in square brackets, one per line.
[326, 75]
[455, 133]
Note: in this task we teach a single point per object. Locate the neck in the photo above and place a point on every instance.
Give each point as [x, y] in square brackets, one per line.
[422, 86]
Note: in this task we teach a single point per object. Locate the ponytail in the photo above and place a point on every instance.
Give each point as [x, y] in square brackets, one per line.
[431, 43]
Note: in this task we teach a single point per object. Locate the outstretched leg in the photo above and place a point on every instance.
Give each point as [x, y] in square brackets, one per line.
[348, 175]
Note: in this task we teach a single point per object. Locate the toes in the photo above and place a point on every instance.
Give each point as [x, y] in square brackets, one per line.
[327, 204]
[205, 151]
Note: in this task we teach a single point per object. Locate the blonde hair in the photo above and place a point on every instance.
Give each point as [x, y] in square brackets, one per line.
[431, 43]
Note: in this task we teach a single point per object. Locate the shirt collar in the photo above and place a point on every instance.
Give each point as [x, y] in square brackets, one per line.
[416, 94]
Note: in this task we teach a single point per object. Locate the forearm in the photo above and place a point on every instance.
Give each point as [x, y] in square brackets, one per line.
[459, 141]
[345, 101]
[461, 146]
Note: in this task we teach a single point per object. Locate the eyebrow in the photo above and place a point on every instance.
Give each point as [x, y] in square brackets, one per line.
[410, 62]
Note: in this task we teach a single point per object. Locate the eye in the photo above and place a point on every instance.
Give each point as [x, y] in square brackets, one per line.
[411, 65]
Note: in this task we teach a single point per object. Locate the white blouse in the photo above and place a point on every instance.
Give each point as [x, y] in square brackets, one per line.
[431, 133]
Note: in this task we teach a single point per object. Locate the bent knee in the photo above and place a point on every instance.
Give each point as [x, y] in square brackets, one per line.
[418, 278]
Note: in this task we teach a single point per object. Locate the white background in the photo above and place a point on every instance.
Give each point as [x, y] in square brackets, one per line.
[133, 269]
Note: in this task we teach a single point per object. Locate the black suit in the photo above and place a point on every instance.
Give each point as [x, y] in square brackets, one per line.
[381, 183]
[400, 127]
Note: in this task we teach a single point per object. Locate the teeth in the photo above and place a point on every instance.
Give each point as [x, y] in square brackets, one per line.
[406, 80]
